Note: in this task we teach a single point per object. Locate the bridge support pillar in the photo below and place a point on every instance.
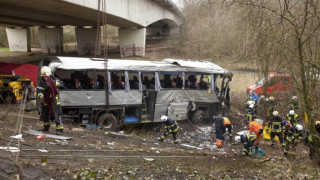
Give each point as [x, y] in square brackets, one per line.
[86, 41]
[19, 39]
[51, 40]
[132, 42]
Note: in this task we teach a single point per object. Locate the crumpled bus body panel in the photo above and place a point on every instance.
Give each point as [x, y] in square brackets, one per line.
[177, 99]
[98, 98]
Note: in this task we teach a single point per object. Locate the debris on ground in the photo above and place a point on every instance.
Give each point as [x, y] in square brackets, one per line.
[148, 159]
[93, 126]
[77, 129]
[41, 137]
[9, 148]
[43, 150]
[192, 147]
[19, 137]
[39, 133]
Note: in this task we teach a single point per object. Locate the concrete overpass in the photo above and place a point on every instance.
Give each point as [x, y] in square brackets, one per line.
[131, 16]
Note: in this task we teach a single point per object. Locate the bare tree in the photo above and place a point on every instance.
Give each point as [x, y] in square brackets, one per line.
[294, 28]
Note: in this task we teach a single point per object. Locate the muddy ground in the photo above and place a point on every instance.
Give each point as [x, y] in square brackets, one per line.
[100, 154]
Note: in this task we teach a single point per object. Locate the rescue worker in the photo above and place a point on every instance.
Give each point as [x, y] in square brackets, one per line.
[256, 127]
[271, 107]
[248, 140]
[220, 129]
[170, 126]
[276, 128]
[250, 102]
[228, 126]
[286, 125]
[254, 96]
[250, 113]
[48, 93]
[292, 117]
[292, 140]
[294, 104]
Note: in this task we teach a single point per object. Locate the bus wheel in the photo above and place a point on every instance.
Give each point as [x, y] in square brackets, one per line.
[198, 117]
[107, 121]
[9, 98]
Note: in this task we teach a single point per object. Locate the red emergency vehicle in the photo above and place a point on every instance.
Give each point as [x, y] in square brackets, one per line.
[275, 82]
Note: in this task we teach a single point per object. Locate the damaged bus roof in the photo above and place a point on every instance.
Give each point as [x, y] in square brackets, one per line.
[167, 65]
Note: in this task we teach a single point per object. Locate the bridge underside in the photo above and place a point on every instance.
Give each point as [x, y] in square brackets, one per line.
[50, 15]
[53, 13]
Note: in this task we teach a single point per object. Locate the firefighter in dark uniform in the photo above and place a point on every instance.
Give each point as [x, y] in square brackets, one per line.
[220, 129]
[293, 138]
[248, 140]
[271, 107]
[276, 128]
[171, 126]
[48, 93]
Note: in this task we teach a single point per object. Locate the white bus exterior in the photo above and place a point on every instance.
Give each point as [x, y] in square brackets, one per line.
[115, 92]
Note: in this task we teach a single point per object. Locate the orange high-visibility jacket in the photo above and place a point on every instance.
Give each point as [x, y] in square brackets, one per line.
[226, 121]
[255, 127]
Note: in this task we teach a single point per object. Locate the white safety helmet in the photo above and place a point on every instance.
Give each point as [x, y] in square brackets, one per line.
[251, 106]
[266, 99]
[45, 71]
[164, 118]
[299, 127]
[237, 138]
[275, 113]
[271, 98]
[291, 112]
[260, 121]
[262, 97]
[294, 98]
[317, 123]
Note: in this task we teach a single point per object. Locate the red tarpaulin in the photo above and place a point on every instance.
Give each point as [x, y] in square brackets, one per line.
[29, 70]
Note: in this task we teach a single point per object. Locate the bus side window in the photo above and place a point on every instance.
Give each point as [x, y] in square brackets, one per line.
[86, 80]
[148, 80]
[75, 80]
[171, 80]
[177, 81]
[191, 82]
[117, 80]
[133, 80]
[101, 77]
[204, 82]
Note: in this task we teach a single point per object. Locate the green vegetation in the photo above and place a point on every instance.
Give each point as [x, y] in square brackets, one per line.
[4, 49]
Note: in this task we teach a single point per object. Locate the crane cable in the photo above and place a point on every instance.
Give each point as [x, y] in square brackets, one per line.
[97, 35]
[102, 14]
[103, 11]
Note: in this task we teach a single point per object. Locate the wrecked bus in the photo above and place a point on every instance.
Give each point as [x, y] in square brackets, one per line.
[116, 92]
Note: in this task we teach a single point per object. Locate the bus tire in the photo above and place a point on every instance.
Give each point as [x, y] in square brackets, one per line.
[198, 117]
[9, 98]
[107, 121]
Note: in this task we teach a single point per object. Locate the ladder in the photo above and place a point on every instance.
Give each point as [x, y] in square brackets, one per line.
[145, 117]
